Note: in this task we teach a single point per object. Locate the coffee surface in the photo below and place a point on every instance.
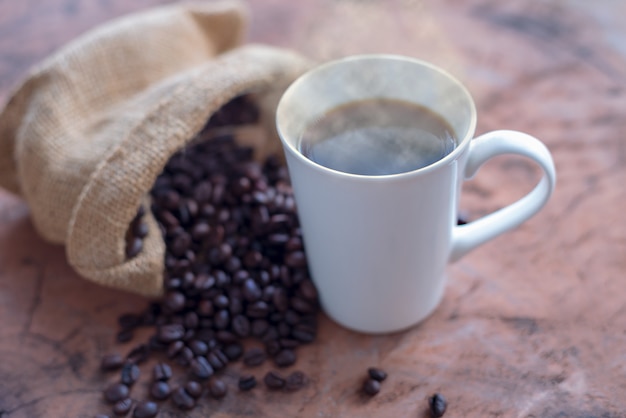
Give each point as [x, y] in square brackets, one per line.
[378, 137]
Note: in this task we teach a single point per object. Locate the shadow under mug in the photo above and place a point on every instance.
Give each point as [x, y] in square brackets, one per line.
[377, 246]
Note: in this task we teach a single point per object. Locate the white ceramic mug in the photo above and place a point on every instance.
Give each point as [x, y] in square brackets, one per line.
[377, 246]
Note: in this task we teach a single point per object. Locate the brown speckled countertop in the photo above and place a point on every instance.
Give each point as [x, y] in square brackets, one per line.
[533, 324]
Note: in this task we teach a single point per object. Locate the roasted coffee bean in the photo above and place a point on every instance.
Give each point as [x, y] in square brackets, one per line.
[233, 351]
[307, 290]
[129, 321]
[288, 343]
[174, 348]
[280, 299]
[182, 399]
[198, 347]
[115, 392]
[102, 416]
[241, 326]
[215, 361]
[161, 371]
[295, 259]
[437, 404]
[221, 356]
[185, 356]
[254, 357]
[174, 301]
[193, 389]
[134, 247]
[217, 388]
[285, 358]
[201, 368]
[138, 354]
[303, 333]
[295, 381]
[259, 327]
[273, 347]
[146, 409]
[226, 337]
[251, 291]
[160, 390]
[258, 309]
[270, 334]
[130, 374]
[283, 329]
[247, 382]
[140, 229]
[301, 305]
[125, 336]
[377, 374]
[170, 332]
[371, 387]
[273, 380]
[122, 407]
[111, 362]
[222, 319]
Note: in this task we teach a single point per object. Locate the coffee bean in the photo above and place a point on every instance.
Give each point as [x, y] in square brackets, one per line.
[170, 332]
[122, 407]
[140, 229]
[273, 380]
[111, 362]
[130, 374]
[307, 290]
[377, 374]
[217, 388]
[251, 291]
[241, 326]
[185, 356]
[116, 392]
[193, 389]
[129, 321]
[215, 361]
[371, 387]
[174, 301]
[182, 399]
[233, 351]
[257, 310]
[303, 333]
[222, 319]
[285, 358]
[226, 337]
[221, 356]
[247, 382]
[295, 259]
[288, 343]
[125, 336]
[201, 368]
[437, 404]
[134, 247]
[174, 348]
[254, 357]
[295, 381]
[301, 305]
[280, 299]
[146, 409]
[198, 347]
[160, 390]
[101, 416]
[259, 327]
[161, 371]
[273, 347]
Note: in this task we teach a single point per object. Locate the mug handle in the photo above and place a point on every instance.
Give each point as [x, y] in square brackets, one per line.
[471, 235]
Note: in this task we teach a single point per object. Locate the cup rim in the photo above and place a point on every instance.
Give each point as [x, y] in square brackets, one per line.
[462, 144]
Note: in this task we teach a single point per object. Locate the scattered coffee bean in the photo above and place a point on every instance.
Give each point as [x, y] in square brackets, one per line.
[233, 351]
[122, 407]
[371, 387]
[193, 388]
[111, 362]
[285, 358]
[182, 399]
[254, 357]
[377, 374]
[161, 371]
[295, 381]
[217, 388]
[146, 409]
[201, 368]
[138, 354]
[116, 392]
[171, 332]
[160, 390]
[247, 382]
[437, 404]
[125, 336]
[130, 374]
[273, 380]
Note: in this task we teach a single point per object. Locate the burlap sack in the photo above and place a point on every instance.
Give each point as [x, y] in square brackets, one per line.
[83, 139]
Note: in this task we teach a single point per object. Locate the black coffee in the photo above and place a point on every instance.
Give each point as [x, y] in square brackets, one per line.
[378, 137]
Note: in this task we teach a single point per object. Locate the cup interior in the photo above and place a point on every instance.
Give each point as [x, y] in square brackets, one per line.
[370, 77]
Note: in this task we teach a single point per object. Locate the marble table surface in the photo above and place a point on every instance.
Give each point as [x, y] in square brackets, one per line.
[533, 324]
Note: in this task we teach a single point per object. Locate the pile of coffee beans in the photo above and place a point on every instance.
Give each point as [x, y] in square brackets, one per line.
[235, 274]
